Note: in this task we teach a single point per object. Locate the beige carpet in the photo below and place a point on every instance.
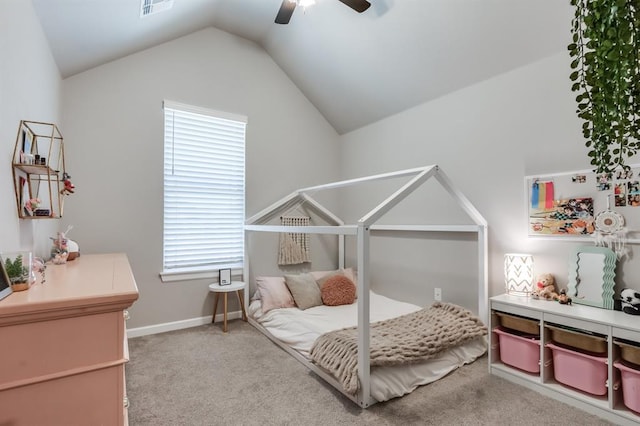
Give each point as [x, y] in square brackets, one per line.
[201, 376]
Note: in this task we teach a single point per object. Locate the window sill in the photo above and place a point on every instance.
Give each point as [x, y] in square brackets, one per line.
[166, 276]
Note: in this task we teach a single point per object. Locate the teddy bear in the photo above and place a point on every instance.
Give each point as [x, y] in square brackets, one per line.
[630, 301]
[545, 287]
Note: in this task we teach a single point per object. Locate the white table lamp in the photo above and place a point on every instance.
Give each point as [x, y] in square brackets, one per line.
[518, 273]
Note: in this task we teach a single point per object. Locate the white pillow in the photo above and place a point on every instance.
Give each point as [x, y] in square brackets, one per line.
[274, 293]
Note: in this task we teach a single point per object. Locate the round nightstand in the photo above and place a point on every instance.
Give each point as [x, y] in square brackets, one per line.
[218, 289]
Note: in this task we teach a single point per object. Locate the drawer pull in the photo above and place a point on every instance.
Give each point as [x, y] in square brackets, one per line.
[126, 402]
[126, 315]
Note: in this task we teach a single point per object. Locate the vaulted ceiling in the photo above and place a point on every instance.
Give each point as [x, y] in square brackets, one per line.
[355, 68]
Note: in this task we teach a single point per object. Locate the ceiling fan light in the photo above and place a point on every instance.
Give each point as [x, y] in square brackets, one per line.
[306, 3]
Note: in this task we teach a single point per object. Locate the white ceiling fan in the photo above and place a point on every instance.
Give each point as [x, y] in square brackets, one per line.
[288, 6]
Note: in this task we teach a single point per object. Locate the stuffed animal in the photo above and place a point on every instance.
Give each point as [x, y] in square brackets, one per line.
[545, 287]
[630, 301]
[69, 188]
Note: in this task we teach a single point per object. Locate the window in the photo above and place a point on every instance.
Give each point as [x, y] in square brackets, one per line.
[203, 191]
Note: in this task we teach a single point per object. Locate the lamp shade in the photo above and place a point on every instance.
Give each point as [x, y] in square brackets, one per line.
[518, 273]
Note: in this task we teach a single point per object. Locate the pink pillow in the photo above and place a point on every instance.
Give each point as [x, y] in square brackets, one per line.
[349, 272]
[274, 293]
[338, 290]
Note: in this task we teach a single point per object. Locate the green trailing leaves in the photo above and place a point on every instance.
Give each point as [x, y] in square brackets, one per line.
[16, 271]
[605, 53]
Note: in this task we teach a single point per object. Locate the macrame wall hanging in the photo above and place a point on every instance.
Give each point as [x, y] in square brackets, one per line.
[610, 231]
[294, 246]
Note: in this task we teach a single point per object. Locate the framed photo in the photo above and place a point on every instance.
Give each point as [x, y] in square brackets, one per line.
[27, 141]
[224, 276]
[25, 197]
[5, 283]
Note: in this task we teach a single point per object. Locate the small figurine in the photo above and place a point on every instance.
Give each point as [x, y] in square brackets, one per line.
[60, 249]
[563, 298]
[69, 188]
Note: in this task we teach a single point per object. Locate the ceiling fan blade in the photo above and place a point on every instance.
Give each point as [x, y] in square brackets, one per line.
[357, 5]
[285, 12]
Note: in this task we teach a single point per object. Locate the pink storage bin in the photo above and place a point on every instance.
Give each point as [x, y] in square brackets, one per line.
[579, 370]
[630, 386]
[519, 351]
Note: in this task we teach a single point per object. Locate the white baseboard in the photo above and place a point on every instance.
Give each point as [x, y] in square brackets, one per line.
[178, 325]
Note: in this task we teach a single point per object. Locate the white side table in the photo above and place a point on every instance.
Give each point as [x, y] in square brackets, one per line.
[218, 289]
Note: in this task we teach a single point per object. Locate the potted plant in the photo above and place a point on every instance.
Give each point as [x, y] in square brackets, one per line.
[605, 53]
[18, 268]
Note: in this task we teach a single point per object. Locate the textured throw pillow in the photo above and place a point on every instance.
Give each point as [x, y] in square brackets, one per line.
[321, 276]
[274, 293]
[338, 290]
[304, 289]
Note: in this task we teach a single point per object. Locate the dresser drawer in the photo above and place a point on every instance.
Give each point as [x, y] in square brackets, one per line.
[44, 348]
[91, 398]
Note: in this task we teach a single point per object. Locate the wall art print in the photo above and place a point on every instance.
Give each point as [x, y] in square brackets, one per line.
[572, 216]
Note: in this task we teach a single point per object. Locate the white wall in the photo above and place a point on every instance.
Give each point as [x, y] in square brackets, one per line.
[29, 90]
[487, 138]
[113, 124]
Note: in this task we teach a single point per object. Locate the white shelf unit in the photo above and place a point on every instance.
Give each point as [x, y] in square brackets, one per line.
[609, 323]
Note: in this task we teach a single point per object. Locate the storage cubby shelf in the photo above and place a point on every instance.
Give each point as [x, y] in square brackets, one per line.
[593, 321]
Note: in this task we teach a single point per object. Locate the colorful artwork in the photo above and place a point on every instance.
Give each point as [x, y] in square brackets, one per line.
[634, 193]
[604, 182]
[572, 216]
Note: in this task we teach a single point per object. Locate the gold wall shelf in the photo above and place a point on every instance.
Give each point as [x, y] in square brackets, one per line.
[38, 170]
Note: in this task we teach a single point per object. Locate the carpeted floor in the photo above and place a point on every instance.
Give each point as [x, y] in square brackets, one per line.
[201, 376]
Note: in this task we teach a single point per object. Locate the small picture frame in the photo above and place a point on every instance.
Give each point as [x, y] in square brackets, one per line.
[27, 147]
[5, 283]
[224, 276]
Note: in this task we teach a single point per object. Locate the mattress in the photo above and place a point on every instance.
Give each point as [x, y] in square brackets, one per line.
[299, 329]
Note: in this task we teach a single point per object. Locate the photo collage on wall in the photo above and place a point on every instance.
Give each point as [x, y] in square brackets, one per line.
[566, 204]
[625, 184]
[627, 189]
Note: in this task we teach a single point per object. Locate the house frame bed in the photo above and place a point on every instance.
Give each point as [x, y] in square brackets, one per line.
[362, 230]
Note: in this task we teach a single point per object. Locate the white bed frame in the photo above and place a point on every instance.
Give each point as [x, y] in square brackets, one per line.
[362, 230]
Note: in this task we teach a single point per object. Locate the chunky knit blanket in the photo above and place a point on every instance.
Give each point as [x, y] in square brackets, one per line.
[406, 339]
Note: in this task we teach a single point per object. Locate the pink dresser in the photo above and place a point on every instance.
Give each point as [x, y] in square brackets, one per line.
[63, 345]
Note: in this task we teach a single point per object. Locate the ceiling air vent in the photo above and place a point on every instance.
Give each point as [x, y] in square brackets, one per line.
[149, 7]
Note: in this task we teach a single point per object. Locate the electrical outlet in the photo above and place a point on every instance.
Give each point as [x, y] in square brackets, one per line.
[437, 294]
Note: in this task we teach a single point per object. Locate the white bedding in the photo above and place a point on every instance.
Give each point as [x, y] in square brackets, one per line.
[299, 329]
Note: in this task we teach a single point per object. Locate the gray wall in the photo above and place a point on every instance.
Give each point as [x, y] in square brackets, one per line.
[29, 90]
[487, 137]
[113, 125]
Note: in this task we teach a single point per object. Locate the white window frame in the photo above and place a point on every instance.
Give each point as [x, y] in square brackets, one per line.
[220, 138]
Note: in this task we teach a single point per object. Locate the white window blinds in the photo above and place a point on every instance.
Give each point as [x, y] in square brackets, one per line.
[204, 154]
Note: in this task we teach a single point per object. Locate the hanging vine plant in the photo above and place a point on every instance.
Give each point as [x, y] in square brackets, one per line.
[605, 55]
